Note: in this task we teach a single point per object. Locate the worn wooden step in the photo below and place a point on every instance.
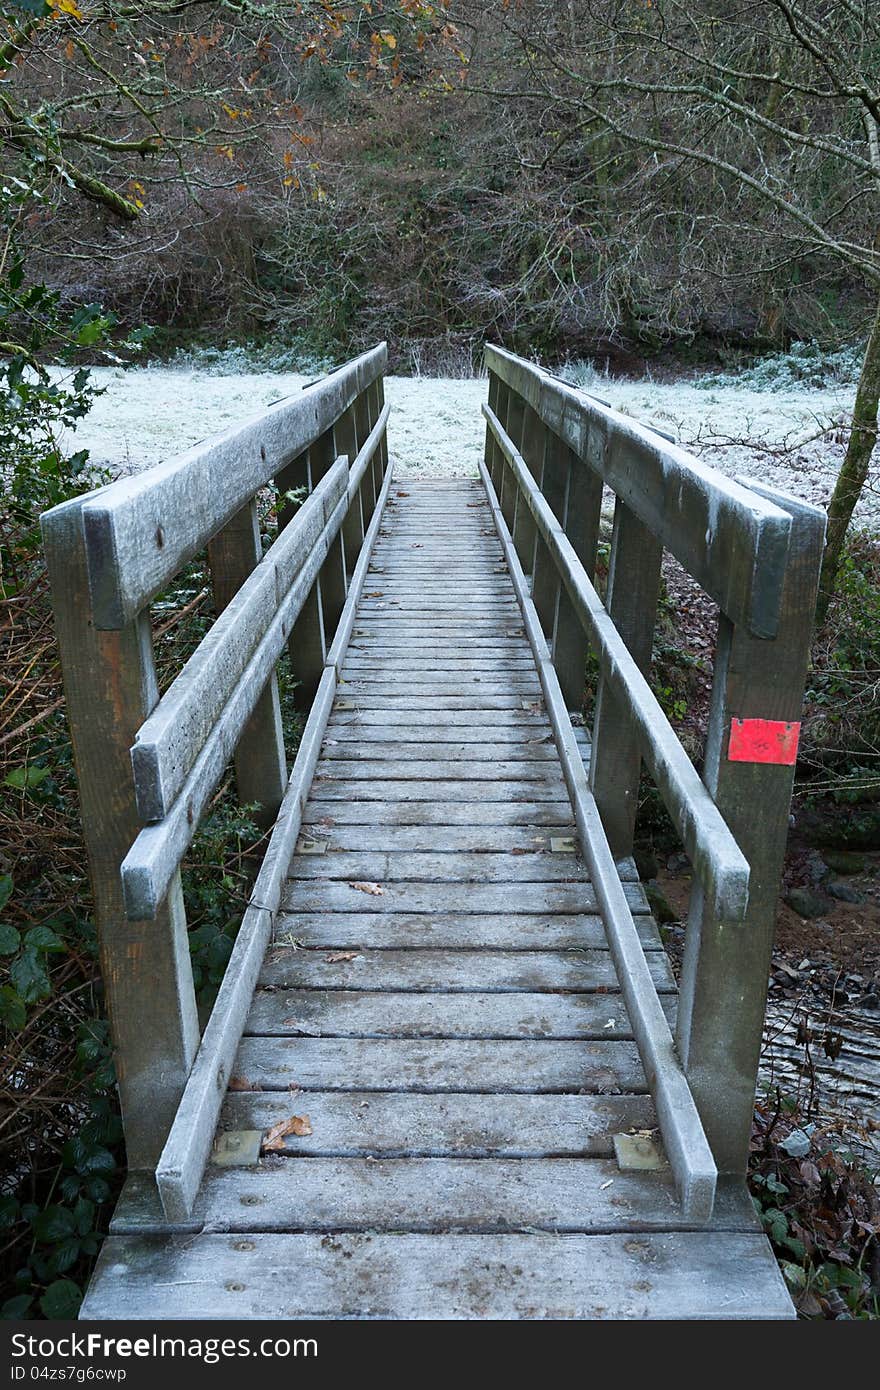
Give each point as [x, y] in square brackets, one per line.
[446, 931]
[457, 1124]
[695, 1275]
[312, 1013]
[451, 867]
[432, 1064]
[472, 898]
[385, 811]
[438, 1194]
[435, 748]
[470, 970]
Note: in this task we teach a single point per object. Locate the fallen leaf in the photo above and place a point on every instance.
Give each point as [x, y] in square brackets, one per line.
[373, 888]
[298, 1125]
[241, 1083]
[336, 956]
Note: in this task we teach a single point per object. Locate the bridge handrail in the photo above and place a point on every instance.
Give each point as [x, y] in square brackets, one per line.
[734, 543]
[550, 451]
[147, 767]
[717, 859]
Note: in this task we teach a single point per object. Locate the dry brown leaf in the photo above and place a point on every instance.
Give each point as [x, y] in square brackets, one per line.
[241, 1083]
[373, 888]
[300, 1125]
[336, 956]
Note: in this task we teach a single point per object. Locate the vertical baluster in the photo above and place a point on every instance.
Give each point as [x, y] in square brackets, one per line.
[554, 486]
[331, 579]
[532, 449]
[110, 688]
[260, 764]
[345, 437]
[306, 643]
[583, 504]
[633, 590]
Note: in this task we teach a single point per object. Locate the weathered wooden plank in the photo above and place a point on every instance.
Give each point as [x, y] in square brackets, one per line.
[341, 812]
[440, 868]
[445, 931]
[475, 751]
[474, 971]
[450, 1277]
[439, 1064]
[733, 543]
[312, 1013]
[426, 1194]
[436, 789]
[515, 718]
[462, 897]
[141, 530]
[463, 1125]
[474, 740]
[440, 769]
[358, 688]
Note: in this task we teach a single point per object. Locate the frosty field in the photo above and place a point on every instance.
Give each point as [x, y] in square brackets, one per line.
[792, 439]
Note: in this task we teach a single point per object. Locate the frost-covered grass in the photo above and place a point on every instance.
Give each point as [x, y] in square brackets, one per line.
[789, 434]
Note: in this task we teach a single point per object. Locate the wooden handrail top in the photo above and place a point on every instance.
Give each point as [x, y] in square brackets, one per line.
[717, 859]
[733, 542]
[140, 531]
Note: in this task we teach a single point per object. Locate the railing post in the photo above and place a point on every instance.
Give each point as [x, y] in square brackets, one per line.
[345, 442]
[331, 580]
[260, 764]
[306, 643]
[110, 688]
[554, 485]
[514, 424]
[583, 508]
[726, 967]
[363, 424]
[633, 590]
[532, 449]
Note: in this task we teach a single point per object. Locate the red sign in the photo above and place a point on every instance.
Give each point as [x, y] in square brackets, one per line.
[763, 741]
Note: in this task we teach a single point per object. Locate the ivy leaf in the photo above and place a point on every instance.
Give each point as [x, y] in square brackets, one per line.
[10, 939]
[44, 939]
[54, 1224]
[61, 1300]
[29, 977]
[12, 1010]
[26, 778]
[15, 1308]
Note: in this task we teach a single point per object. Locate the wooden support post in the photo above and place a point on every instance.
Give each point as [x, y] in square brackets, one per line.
[382, 452]
[582, 511]
[532, 449]
[513, 425]
[374, 411]
[554, 485]
[345, 442]
[322, 456]
[306, 644]
[110, 688]
[260, 764]
[633, 590]
[725, 970]
[363, 424]
[492, 454]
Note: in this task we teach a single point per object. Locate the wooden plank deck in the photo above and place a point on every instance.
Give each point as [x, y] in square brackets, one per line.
[440, 1001]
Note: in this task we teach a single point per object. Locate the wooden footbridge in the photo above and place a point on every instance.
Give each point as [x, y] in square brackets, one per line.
[447, 1073]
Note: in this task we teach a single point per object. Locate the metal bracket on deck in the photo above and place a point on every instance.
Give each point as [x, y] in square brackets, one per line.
[237, 1148]
[638, 1153]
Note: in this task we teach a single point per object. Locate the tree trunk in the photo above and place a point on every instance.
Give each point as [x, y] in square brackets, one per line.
[854, 472]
